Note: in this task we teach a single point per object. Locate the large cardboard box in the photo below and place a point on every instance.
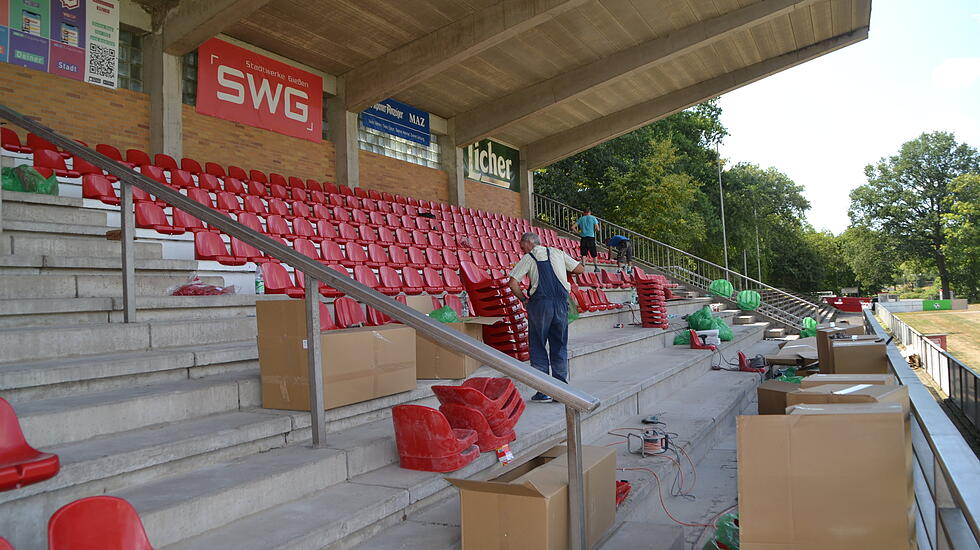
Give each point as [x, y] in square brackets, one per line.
[876, 379]
[528, 506]
[859, 357]
[421, 303]
[772, 396]
[358, 364]
[850, 393]
[435, 361]
[855, 492]
[826, 335]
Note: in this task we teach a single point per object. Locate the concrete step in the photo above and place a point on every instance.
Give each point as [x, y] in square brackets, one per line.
[39, 264]
[62, 420]
[77, 311]
[22, 244]
[51, 378]
[183, 506]
[14, 210]
[146, 285]
[24, 287]
[599, 320]
[52, 229]
[33, 343]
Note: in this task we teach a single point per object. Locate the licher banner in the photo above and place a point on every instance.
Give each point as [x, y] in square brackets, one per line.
[242, 86]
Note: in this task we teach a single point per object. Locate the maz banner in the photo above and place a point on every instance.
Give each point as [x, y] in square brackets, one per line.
[242, 86]
[398, 119]
[495, 163]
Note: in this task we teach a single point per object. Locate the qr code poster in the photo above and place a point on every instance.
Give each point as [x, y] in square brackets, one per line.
[102, 42]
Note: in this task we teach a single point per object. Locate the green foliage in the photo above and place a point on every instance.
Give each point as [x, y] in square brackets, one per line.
[962, 247]
[909, 197]
[870, 257]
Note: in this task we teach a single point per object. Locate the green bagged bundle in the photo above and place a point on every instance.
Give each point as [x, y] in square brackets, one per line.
[701, 319]
[809, 327]
[790, 376]
[26, 179]
[748, 300]
[572, 309]
[726, 531]
[724, 331]
[683, 338]
[721, 287]
[445, 314]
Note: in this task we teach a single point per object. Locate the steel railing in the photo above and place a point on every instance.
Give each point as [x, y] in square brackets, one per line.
[675, 263]
[958, 381]
[945, 471]
[576, 402]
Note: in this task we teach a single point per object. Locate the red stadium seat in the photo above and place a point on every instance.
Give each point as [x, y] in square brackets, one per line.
[99, 522]
[151, 216]
[210, 183]
[426, 442]
[433, 258]
[257, 188]
[332, 254]
[191, 166]
[237, 172]
[377, 256]
[214, 169]
[307, 248]
[37, 143]
[349, 313]
[434, 283]
[155, 173]
[320, 212]
[304, 229]
[233, 185]
[112, 153]
[251, 220]
[326, 230]
[296, 183]
[97, 187]
[355, 254]
[345, 190]
[278, 191]
[385, 236]
[137, 157]
[391, 281]
[277, 225]
[46, 158]
[413, 282]
[297, 194]
[329, 291]
[20, 464]
[330, 187]
[201, 196]
[278, 281]
[165, 162]
[375, 318]
[245, 251]
[277, 207]
[397, 256]
[10, 141]
[254, 205]
[255, 175]
[181, 179]
[451, 278]
[360, 192]
[228, 202]
[183, 220]
[84, 167]
[210, 246]
[314, 185]
[416, 258]
[346, 233]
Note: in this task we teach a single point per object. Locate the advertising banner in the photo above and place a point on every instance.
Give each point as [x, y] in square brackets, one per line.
[102, 39]
[28, 50]
[495, 163]
[398, 119]
[30, 17]
[4, 36]
[68, 22]
[930, 305]
[243, 86]
[67, 61]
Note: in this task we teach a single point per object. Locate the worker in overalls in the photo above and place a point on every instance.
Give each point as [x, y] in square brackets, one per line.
[547, 307]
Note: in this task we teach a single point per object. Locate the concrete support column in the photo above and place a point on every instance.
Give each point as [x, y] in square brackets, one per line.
[162, 80]
[527, 187]
[343, 132]
[452, 163]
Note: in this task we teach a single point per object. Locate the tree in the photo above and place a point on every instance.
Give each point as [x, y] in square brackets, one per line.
[837, 273]
[870, 257]
[909, 196]
[962, 246]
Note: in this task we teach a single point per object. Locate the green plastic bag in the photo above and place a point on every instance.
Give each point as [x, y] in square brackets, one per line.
[809, 328]
[726, 530]
[26, 179]
[748, 300]
[445, 314]
[701, 319]
[721, 287]
[683, 338]
[724, 331]
[572, 309]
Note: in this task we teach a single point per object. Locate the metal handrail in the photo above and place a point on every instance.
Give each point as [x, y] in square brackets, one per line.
[669, 259]
[946, 472]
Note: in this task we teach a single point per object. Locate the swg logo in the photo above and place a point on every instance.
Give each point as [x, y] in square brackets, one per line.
[240, 86]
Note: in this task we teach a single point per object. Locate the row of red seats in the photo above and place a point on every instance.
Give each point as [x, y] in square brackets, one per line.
[94, 523]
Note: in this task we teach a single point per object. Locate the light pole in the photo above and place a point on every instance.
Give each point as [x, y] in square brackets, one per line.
[721, 198]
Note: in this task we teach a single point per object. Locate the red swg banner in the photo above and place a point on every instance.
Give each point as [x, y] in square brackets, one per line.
[242, 86]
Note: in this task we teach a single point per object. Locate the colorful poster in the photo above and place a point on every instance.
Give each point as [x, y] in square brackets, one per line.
[28, 51]
[3, 44]
[68, 22]
[495, 163]
[242, 86]
[67, 61]
[398, 119]
[930, 305]
[102, 42]
[30, 16]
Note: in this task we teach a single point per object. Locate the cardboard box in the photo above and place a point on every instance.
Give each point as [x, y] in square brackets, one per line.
[826, 335]
[435, 361]
[528, 506]
[850, 393]
[855, 492]
[358, 364]
[421, 303]
[876, 379]
[859, 357]
[772, 396]
[845, 327]
[800, 352]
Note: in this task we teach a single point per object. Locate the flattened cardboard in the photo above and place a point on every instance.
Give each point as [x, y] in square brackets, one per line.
[854, 493]
[876, 379]
[528, 506]
[796, 352]
[772, 396]
[859, 357]
[358, 364]
[850, 393]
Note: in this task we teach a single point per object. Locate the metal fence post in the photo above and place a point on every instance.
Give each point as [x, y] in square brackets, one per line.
[576, 483]
[127, 244]
[315, 373]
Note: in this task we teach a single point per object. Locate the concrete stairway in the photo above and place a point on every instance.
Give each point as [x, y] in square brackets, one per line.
[797, 304]
[165, 412]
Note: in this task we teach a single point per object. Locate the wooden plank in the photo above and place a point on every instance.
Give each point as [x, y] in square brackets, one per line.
[630, 19]
[801, 25]
[822, 20]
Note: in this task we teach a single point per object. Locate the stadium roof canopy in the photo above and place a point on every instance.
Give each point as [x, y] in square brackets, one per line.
[552, 77]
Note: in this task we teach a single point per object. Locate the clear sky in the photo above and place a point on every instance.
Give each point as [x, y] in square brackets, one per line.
[822, 122]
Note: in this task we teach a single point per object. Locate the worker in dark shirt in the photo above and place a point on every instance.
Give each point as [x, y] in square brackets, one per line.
[624, 251]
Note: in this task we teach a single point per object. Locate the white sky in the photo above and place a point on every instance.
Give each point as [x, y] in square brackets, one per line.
[822, 122]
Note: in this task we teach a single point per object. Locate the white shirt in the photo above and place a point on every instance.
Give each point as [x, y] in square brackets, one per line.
[562, 263]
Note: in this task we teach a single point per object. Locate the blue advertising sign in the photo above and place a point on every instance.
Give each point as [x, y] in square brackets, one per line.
[28, 51]
[396, 118]
[3, 44]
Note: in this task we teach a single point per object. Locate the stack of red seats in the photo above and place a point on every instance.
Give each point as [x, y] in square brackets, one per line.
[427, 442]
[494, 298]
[650, 293]
[489, 406]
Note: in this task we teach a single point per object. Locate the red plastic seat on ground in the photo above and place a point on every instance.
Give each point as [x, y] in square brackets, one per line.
[497, 399]
[46, 158]
[349, 313]
[97, 523]
[278, 281]
[98, 187]
[210, 246]
[20, 464]
[468, 418]
[151, 216]
[427, 442]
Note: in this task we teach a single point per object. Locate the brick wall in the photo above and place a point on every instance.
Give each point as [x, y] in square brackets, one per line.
[404, 178]
[82, 111]
[492, 198]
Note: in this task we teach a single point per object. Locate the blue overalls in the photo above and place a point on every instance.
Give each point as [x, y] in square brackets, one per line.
[547, 313]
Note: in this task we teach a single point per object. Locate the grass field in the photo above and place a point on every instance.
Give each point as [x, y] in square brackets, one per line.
[962, 326]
